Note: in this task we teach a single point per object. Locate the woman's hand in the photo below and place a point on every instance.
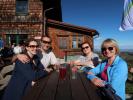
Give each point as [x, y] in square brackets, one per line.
[74, 69]
[49, 70]
[98, 82]
[87, 63]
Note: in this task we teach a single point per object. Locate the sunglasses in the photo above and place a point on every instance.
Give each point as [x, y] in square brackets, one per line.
[109, 48]
[85, 47]
[46, 42]
[33, 46]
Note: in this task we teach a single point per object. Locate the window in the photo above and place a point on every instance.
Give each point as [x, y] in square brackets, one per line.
[21, 7]
[62, 41]
[76, 41]
[70, 42]
[80, 41]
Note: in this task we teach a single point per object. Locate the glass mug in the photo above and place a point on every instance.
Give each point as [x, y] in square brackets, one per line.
[62, 72]
[74, 73]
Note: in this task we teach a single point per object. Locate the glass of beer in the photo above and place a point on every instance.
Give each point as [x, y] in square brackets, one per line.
[62, 72]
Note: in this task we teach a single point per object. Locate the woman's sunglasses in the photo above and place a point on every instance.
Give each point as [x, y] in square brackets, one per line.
[46, 42]
[85, 47]
[109, 48]
[33, 46]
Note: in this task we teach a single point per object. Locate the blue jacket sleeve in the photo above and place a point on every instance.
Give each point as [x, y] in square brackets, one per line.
[95, 72]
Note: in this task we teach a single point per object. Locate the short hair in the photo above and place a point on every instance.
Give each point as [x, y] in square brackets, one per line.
[47, 37]
[86, 42]
[112, 42]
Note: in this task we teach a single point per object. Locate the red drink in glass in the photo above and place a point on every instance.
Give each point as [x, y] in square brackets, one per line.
[62, 73]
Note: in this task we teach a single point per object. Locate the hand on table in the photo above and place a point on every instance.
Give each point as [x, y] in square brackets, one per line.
[49, 70]
[98, 82]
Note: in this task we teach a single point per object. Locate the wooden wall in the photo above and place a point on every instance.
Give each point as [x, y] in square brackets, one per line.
[13, 23]
[54, 33]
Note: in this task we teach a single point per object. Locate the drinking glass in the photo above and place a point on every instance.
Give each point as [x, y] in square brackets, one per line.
[74, 73]
[62, 72]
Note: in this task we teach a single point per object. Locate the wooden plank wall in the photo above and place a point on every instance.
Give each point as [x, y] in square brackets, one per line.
[55, 32]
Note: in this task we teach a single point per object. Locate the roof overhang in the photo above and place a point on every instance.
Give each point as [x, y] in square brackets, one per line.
[88, 31]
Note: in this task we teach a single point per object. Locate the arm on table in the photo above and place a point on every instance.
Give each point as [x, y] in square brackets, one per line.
[91, 75]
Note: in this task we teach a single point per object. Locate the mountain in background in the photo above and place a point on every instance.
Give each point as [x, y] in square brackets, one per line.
[127, 48]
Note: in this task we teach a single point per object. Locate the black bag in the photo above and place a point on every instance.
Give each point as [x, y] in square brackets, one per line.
[108, 93]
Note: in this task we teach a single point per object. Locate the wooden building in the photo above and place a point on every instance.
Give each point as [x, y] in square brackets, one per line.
[66, 38]
[22, 19]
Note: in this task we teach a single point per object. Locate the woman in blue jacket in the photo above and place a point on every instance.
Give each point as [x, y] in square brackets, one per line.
[24, 75]
[112, 70]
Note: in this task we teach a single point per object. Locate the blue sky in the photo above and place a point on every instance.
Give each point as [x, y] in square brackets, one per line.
[103, 15]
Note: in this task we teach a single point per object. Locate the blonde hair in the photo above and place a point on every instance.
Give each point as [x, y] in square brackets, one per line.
[112, 42]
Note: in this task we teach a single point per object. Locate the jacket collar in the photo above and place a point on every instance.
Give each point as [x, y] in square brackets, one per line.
[115, 61]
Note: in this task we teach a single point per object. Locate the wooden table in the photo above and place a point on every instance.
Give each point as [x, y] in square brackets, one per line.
[53, 88]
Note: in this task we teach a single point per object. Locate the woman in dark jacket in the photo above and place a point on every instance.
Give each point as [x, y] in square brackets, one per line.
[25, 75]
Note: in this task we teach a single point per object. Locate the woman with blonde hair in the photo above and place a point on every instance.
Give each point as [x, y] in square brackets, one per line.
[113, 70]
